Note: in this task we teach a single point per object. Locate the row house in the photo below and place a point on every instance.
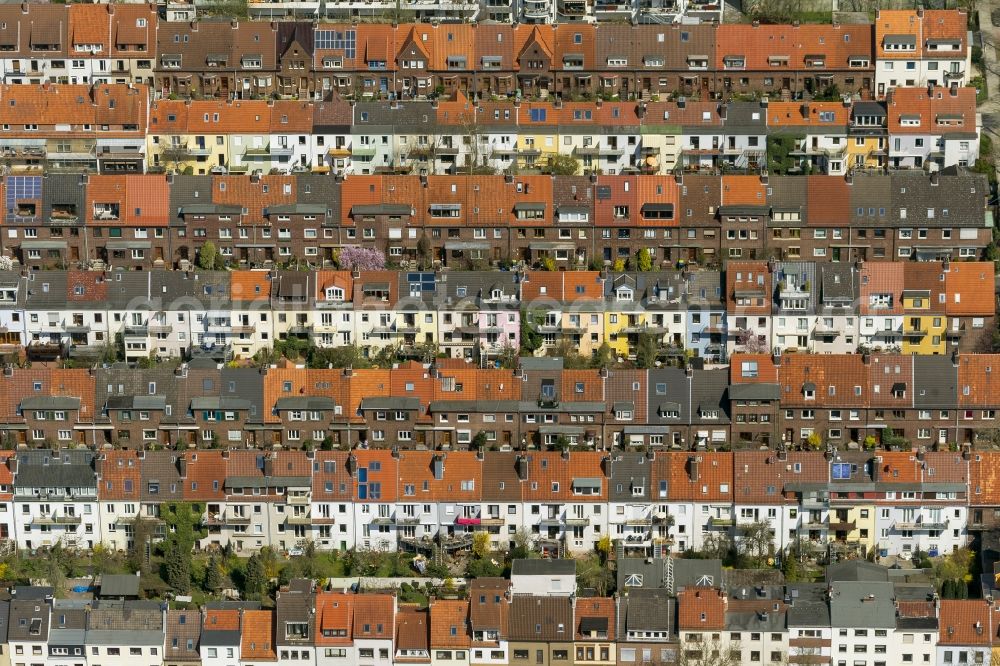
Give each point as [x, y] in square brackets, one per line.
[920, 48]
[517, 49]
[78, 45]
[73, 127]
[925, 308]
[882, 502]
[112, 127]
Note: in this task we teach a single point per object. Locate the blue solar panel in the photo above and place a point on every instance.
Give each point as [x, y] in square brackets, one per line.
[22, 188]
[840, 470]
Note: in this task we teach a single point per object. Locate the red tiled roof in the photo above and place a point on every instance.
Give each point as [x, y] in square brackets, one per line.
[461, 480]
[258, 636]
[939, 112]
[966, 622]
[374, 616]
[969, 289]
[699, 477]
[701, 608]
[450, 624]
[120, 474]
[334, 618]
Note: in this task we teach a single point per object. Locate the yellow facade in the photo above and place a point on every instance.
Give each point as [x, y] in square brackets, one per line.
[535, 150]
[923, 330]
[195, 154]
[863, 152]
[622, 330]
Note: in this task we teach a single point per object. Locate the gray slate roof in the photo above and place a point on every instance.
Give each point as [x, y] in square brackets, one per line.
[863, 604]
[48, 469]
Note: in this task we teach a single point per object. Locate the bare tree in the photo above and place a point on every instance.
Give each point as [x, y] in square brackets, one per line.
[750, 342]
[755, 543]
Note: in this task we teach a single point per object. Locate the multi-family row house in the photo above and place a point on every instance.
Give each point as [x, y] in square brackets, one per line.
[78, 45]
[689, 613]
[923, 308]
[460, 222]
[915, 128]
[513, 51]
[882, 502]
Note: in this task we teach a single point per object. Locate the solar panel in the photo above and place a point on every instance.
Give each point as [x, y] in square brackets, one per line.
[840, 470]
[22, 188]
[336, 40]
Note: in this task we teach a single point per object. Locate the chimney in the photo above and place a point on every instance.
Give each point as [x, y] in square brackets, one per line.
[352, 464]
[920, 11]
[722, 110]
[876, 469]
[522, 468]
[182, 466]
[12, 464]
[437, 466]
[681, 102]
[764, 101]
[269, 464]
[693, 471]
[953, 89]
[954, 357]
[921, 453]
[849, 177]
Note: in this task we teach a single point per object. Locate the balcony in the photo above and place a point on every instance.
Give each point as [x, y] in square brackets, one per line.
[537, 9]
[920, 525]
[299, 519]
[137, 331]
[56, 520]
[258, 151]
[914, 332]
[721, 522]
[407, 519]
[155, 329]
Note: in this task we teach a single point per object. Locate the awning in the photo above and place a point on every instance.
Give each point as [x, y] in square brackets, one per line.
[592, 624]
[128, 245]
[624, 406]
[218, 402]
[560, 430]
[529, 207]
[657, 208]
[50, 402]
[551, 245]
[43, 245]
[591, 482]
[308, 403]
[466, 245]
[380, 209]
[808, 386]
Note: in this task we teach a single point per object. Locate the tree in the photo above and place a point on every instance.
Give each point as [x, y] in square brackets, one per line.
[755, 544]
[643, 260]
[177, 564]
[522, 549]
[593, 573]
[564, 165]
[141, 545]
[603, 356]
[647, 351]
[424, 252]
[206, 256]
[750, 342]
[481, 544]
[254, 578]
[174, 153]
[6, 263]
[214, 579]
[814, 441]
[531, 340]
[353, 258]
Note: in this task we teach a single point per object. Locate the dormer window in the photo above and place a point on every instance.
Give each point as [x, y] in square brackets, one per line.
[334, 294]
[809, 391]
